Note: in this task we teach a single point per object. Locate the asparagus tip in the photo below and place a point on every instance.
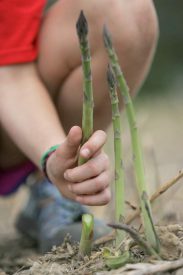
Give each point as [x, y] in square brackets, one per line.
[82, 25]
[107, 37]
[110, 77]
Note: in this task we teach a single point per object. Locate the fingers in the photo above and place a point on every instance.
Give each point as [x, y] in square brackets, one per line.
[91, 186]
[94, 144]
[101, 198]
[92, 168]
[69, 147]
[65, 155]
[88, 183]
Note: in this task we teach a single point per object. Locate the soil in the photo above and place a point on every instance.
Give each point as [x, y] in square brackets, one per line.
[16, 254]
[18, 257]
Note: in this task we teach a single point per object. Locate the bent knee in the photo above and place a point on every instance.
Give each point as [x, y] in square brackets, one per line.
[135, 39]
[129, 18]
[137, 24]
[147, 22]
[134, 28]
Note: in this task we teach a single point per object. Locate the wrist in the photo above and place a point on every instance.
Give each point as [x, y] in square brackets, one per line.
[45, 157]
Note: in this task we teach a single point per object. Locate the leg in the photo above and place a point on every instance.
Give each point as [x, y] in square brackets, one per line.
[134, 34]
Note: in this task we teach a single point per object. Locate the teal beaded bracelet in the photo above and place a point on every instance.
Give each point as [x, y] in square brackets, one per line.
[45, 157]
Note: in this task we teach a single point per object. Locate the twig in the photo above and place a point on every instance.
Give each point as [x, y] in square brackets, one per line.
[165, 187]
[107, 238]
[131, 205]
[137, 238]
[147, 268]
[155, 268]
[157, 193]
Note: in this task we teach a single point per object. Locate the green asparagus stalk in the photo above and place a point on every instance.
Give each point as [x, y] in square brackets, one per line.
[87, 116]
[119, 169]
[86, 241]
[137, 152]
[87, 123]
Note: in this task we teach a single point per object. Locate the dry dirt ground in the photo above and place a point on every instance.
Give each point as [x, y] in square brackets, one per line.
[161, 128]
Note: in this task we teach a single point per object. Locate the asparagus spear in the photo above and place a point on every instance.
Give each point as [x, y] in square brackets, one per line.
[87, 116]
[119, 170]
[137, 154]
[87, 123]
[86, 241]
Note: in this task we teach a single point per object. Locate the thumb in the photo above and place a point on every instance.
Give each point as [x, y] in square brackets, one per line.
[69, 147]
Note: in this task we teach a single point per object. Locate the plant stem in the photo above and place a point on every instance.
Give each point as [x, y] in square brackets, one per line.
[119, 169]
[87, 116]
[137, 154]
[86, 241]
[87, 123]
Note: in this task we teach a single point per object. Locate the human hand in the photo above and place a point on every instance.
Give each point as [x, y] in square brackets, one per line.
[88, 183]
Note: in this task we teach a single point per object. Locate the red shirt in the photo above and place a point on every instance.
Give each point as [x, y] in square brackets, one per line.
[19, 27]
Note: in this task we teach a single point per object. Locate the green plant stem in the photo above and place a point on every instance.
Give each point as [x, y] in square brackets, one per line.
[119, 169]
[87, 123]
[86, 241]
[87, 116]
[137, 154]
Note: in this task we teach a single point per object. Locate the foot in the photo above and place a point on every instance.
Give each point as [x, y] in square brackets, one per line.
[48, 217]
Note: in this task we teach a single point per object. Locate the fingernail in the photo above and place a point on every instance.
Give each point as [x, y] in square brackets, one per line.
[85, 152]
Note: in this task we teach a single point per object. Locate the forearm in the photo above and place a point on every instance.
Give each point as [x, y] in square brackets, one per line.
[27, 112]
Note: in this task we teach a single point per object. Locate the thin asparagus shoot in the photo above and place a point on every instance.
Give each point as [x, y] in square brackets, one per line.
[136, 147]
[119, 169]
[86, 241]
[87, 122]
[87, 116]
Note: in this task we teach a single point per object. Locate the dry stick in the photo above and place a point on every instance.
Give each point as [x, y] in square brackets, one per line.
[137, 238]
[132, 206]
[119, 169]
[136, 146]
[158, 193]
[87, 123]
[107, 238]
[157, 268]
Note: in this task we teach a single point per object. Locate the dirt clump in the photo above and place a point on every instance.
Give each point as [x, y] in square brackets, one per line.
[171, 240]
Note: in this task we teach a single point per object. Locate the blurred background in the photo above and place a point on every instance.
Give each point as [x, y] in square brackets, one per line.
[167, 67]
[160, 118]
